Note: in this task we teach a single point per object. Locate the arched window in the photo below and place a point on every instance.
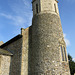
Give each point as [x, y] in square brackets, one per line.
[62, 53]
[37, 8]
[55, 8]
[65, 58]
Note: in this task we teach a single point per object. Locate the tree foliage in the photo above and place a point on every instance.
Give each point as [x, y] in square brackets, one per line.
[71, 64]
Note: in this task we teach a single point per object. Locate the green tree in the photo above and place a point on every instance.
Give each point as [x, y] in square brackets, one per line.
[71, 64]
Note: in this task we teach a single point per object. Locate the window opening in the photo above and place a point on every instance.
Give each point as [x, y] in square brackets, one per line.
[37, 8]
[62, 53]
[55, 8]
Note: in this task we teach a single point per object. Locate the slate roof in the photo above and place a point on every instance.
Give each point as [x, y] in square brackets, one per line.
[5, 52]
[11, 41]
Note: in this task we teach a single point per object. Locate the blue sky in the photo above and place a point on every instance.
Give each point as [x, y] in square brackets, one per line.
[17, 14]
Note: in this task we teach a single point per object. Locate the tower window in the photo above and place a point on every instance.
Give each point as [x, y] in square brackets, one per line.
[65, 58]
[37, 8]
[55, 8]
[62, 53]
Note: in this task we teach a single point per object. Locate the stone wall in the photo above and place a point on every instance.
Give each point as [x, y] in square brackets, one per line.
[0, 64]
[45, 53]
[45, 6]
[5, 64]
[25, 47]
[49, 6]
[16, 49]
[19, 49]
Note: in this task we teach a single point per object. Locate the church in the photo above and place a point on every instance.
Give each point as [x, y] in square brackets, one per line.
[40, 49]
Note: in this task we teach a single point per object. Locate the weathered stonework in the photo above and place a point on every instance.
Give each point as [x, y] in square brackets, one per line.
[5, 65]
[48, 51]
[39, 49]
[0, 64]
[18, 47]
[25, 46]
[15, 62]
[5, 59]
[45, 6]
[45, 52]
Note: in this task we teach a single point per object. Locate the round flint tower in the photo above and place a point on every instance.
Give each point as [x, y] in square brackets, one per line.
[48, 54]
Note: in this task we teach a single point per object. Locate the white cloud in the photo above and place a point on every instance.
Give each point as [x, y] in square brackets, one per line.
[17, 20]
[66, 40]
[22, 8]
[5, 15]
[20, 15]
[27, 3]
[73, 59]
